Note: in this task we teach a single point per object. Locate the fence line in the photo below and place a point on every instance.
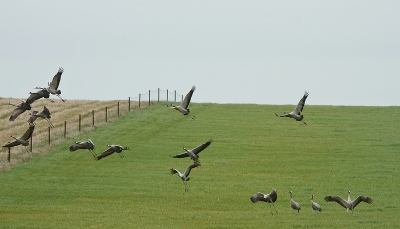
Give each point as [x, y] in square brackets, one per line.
[43, 138]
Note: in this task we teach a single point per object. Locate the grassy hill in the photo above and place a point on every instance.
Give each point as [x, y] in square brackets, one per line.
[341, 148]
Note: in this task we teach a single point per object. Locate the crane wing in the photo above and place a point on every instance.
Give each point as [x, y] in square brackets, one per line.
[17, 111]
[106, 153]
[201, 147]
[189, 168]
[33, 97]
[300, 105]
[46, 112]
[11, 144]
[358, 200]
[337, 199]
[56, 79]
[188, 97]
[257, 197]
[28, 133]
[33, 117]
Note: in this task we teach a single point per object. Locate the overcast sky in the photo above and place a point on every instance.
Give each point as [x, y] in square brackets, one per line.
[264, 52]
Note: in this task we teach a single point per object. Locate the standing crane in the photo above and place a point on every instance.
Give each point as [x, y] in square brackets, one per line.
[89, 145]
[185, 176]
[53, 86]
[315, 206]
[193, 153]
[24, 140]
[349, 204]
[112, 149]
[183, 107]
[294, 204]
[269, 198]
[296, 114]
[45, 114]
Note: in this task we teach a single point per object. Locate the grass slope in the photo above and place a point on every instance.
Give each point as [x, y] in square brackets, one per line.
[341, 148]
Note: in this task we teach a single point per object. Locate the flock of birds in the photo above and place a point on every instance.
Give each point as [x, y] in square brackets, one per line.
[193, 154]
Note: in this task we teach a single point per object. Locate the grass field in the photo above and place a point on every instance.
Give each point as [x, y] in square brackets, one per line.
[341, 148]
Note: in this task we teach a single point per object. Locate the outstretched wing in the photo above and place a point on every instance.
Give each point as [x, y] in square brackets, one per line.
[17, 111]
[358, 200]
[196, 150]
[257, 197]
[11, 144]
[34, 96]
[106, 153]
[189, 168]
[201, 147]
[46, 112]
[28, 133]
[302, 102]
[33, 117]
[188, 97]
[56, 79]
[337, 199]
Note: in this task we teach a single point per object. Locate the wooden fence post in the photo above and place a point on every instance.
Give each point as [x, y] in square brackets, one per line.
[92, 118]
[167, 95]
[139, 100]
[9, 154]
[106, 115]
[158, 95]
[118, 109]
[31, 141]
[129, 104]
[65, 129]
[49, 135]
[175, 96]
[80, 122]
[149, 97]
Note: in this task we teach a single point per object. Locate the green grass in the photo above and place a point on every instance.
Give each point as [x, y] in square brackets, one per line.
[341, 148]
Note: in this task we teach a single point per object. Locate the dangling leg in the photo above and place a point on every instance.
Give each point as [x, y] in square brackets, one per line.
[48, 120]
[275, 208]
[60, 97]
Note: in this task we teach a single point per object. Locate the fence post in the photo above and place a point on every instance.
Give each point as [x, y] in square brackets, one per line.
[149, 97]
[79, 123]
[158, 95]
[49, 135]
[129, 104]
[175, 96]
[9, 154]
[139, 100]
[167, 95]
[118, 109]
[92, 118]
[65, 129]
[106, 115]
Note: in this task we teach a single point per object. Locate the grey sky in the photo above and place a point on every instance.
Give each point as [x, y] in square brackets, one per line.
[265, 52]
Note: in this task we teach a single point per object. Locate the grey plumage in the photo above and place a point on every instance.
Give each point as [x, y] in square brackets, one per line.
[20, 108]
[23, 140]
[185, 176]
[296, 114]
[193, 153]
[45, 114]
[89, 145]
[294, 204]
[269, 198]
[112, 149]
[315, 206]
[183, 107]
[53, 85]
[349, 204]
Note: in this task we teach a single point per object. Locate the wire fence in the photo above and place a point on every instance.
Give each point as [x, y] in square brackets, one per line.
[42, 139]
